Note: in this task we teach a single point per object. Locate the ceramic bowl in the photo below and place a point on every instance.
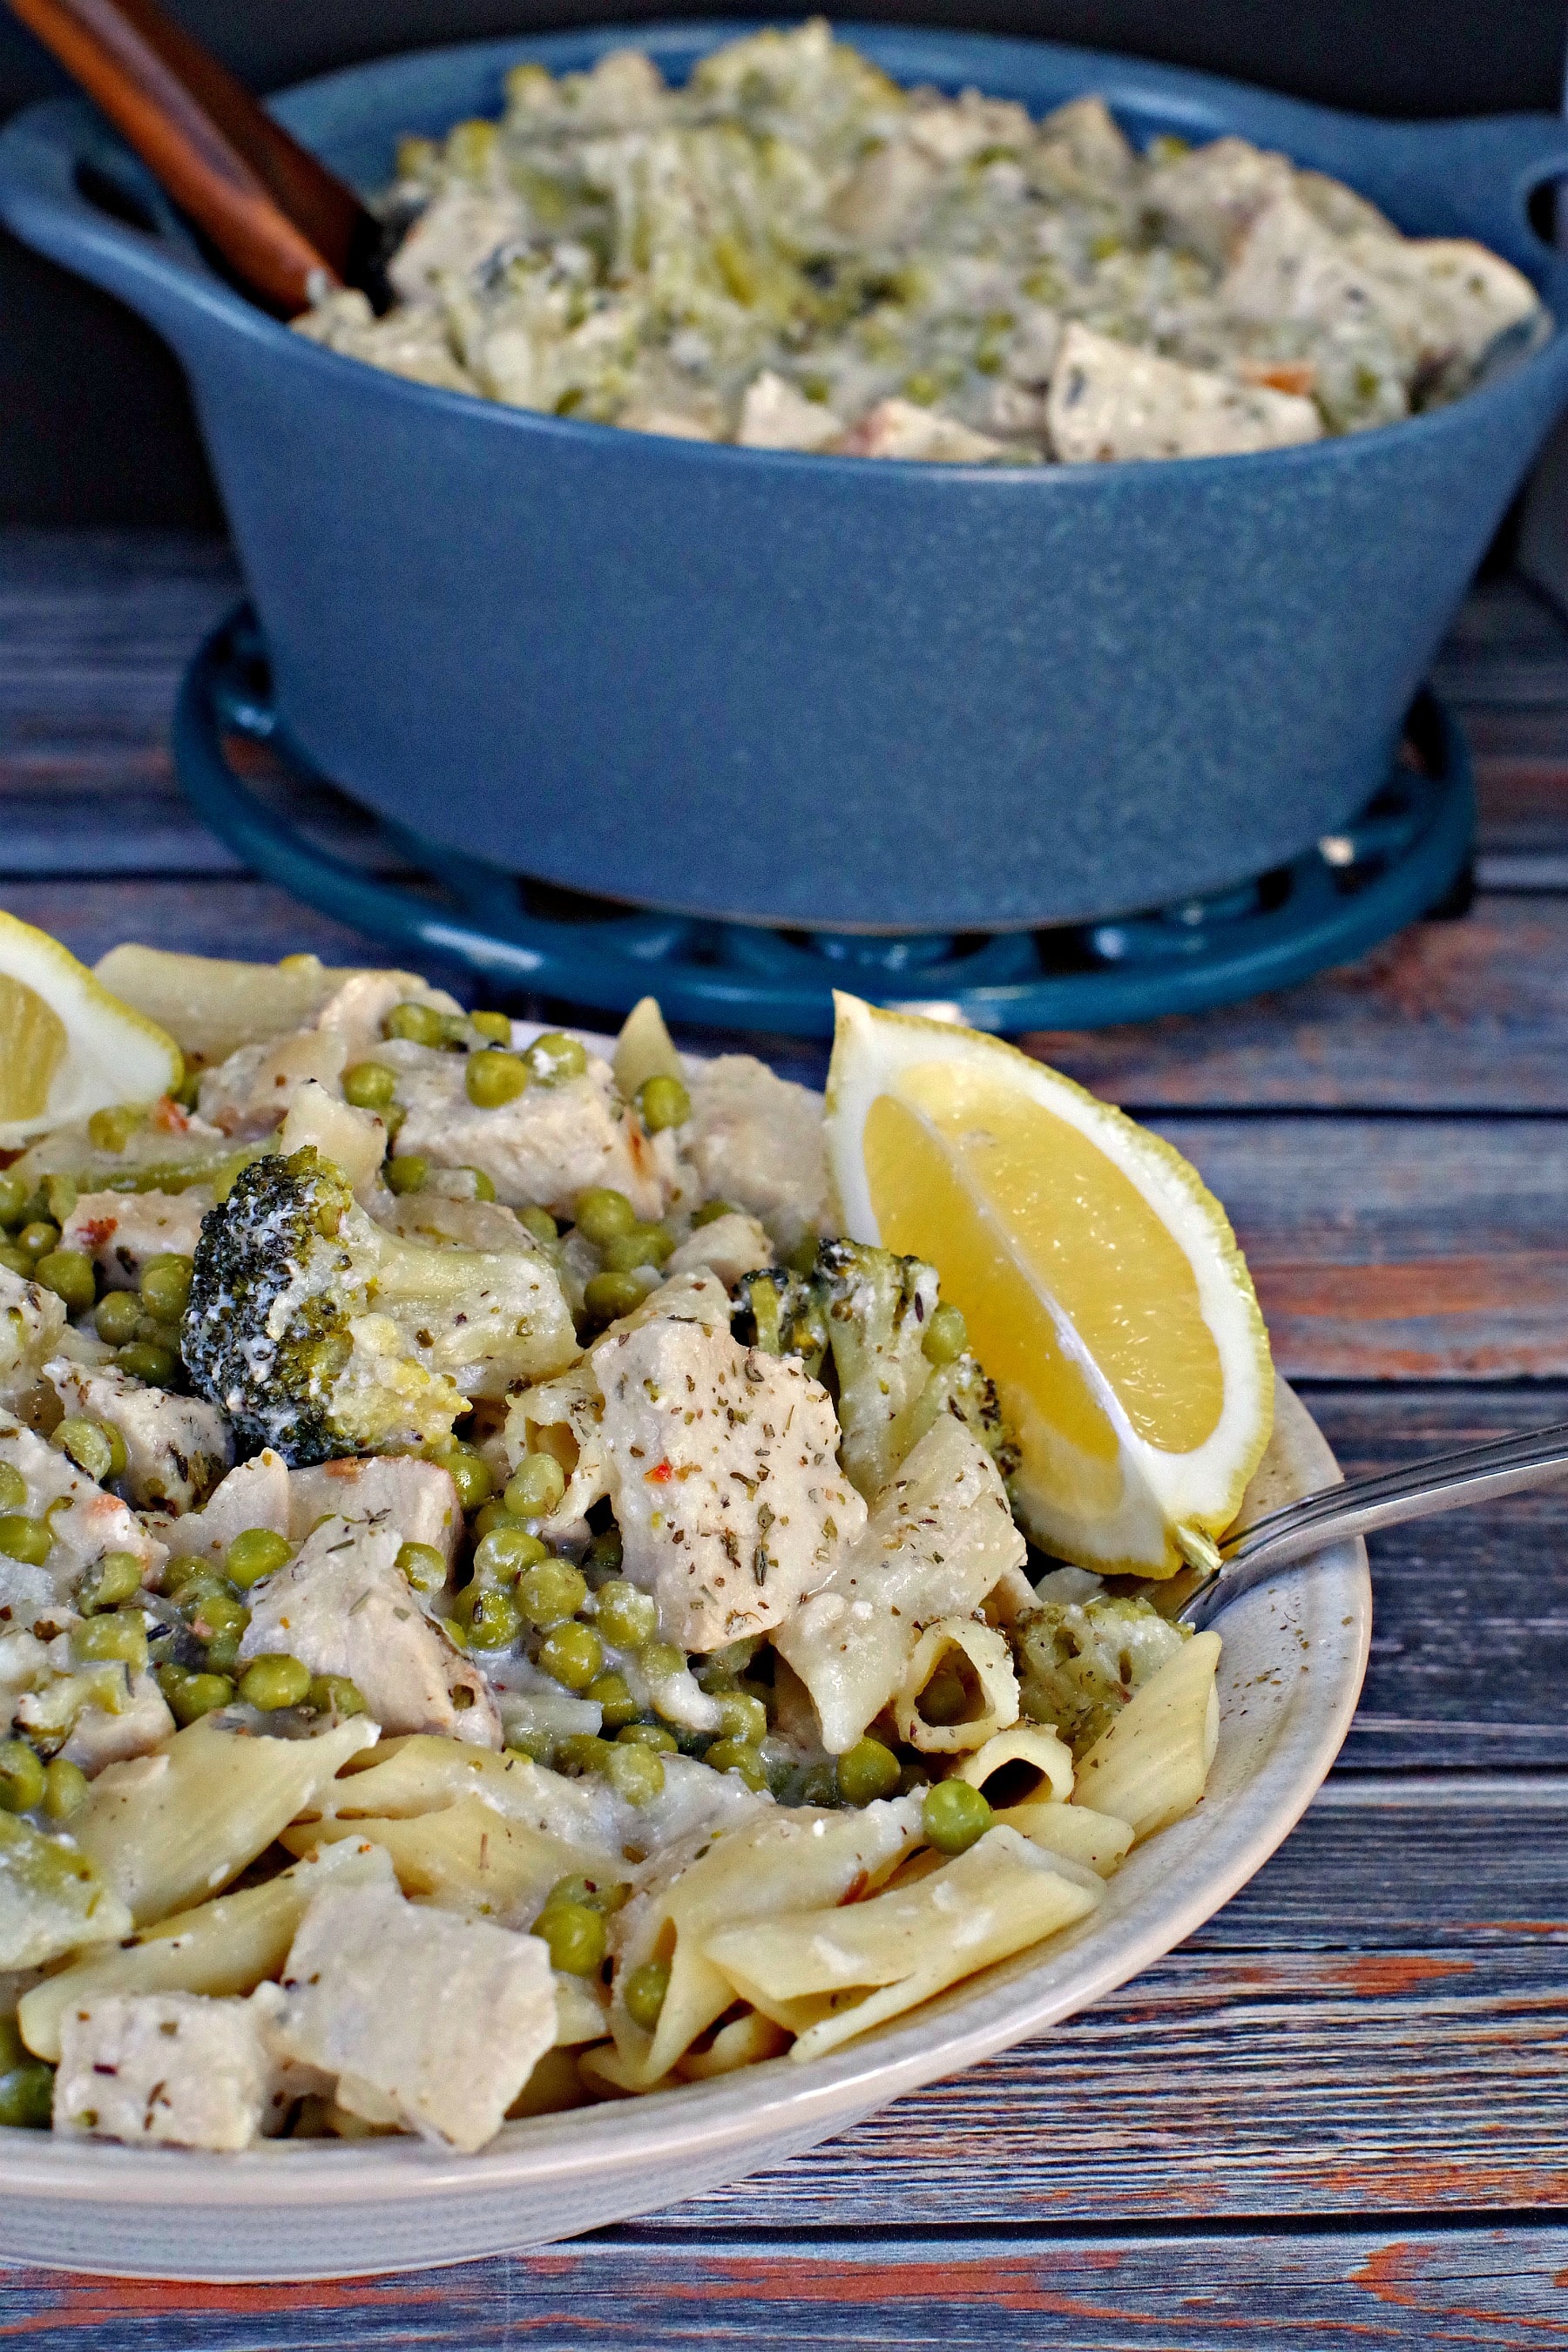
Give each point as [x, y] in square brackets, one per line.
[1294, 1655]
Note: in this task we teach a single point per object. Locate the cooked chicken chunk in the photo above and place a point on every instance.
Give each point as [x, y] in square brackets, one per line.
[1109, 401]
[343, 1606]
[544, 1147]
[756, 1140]
[727, 1488]
[176, 1448]
[120, 1231]
[172, 2069]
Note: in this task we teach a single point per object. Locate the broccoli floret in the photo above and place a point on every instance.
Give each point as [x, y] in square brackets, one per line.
[321, 1334]
[859, 1321]
[785, 1315]
[1079, 1661]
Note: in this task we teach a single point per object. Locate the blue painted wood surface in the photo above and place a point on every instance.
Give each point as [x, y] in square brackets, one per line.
[1338, 2114]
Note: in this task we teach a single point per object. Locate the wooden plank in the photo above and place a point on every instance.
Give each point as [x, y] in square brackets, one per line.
[1398, 1249]
[218, 915]
[1345, 2290]
[1457, 1016]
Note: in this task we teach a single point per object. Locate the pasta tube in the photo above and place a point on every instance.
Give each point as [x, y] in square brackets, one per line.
[987, 1652]
[828, 1975]
[468, 1858]
[166, 1830]
[1150, 1768]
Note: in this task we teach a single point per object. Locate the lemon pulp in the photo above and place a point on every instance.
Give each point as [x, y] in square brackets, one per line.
[992, 1183]
[33, 1043]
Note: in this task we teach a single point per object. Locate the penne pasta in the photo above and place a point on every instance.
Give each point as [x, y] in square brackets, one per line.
[777, 1863]
[1096, 1841]
[830, 1974]
[1027, 1744]
[1150, 1768]
[987, 1652]
[468, 1857]
[164, 1830]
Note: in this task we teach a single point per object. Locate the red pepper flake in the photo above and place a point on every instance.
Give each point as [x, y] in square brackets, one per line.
[660, 1475]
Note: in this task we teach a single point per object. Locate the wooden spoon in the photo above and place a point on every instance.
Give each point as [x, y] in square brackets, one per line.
[287, 226]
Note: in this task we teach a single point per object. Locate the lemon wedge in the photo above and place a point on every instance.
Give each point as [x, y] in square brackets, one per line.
[1101, 1283]
[66, 1046]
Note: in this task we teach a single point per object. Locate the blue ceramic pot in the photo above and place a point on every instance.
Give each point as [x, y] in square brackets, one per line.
[822, 691]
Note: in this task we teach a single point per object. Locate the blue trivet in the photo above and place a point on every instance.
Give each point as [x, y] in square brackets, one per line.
[1405, 853]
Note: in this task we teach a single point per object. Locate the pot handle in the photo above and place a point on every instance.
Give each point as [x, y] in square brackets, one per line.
[140, 251]
[1490, 167]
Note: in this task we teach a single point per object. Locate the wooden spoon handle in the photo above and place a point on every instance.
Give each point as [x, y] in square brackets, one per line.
[279, 217]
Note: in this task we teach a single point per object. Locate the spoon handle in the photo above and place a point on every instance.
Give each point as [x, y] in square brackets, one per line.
[279, 218]
[1446, 1483]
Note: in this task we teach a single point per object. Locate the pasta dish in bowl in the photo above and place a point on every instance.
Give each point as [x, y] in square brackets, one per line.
[556, 1607]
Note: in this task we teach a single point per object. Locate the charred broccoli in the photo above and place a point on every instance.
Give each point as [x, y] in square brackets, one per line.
[1079, 1661]
[874, 1315]
[321, 1334]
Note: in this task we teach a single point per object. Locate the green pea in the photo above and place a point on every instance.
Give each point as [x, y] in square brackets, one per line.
[336, 1695]
[644, 1245]
[626, 1617]
[572, 1653]
[602, 1557]
[606, 1894]
[946, 1336]
[607, 1296]
[15, 1195]
[553, 1058]
[219, 1617]
[118, 1317]
[38, 1237]
[955, 1816]
[65, 1788]
[537, 1745]
[115, 1578]
[581, 1751]
[493, 1077]
[118, 1636]
[659, 1660]
[369, 1086]
[407, 1173]
[93, 1445]
[644, 1991]
[647, 1735]
[866, 1771]
[21, 1776]
[484, 1190]
[495, 1028]
[70, 1274]
[421, 1024]
[166, 1284]
[258, 1553]
[111, 1129]
[468, 1471]
[635, 1773]
[274, 1682]
[492, 1617]
[539, 1223]
[738, 1756]
[190, 1697]
[741, 1716]
[536, 1488]
[551, 1591]
[22, 1537]
[602, 1213]
[27, 2095]
[148, 1361]
[575, 1936]
[15, 1261]
[612, 1694]
[423, 1567]
[13, 1489]
[712, 1211]
[663, 1102]
[505, 1553]
[492, 1514]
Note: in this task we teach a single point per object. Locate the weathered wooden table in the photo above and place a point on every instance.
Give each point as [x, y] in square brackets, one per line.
[1338, 2115]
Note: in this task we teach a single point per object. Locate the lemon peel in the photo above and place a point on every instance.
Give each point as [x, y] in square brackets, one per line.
[67, 1047]
[1099, 1278]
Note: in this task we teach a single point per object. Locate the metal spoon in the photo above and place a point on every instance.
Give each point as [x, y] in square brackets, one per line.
[1195, 1594]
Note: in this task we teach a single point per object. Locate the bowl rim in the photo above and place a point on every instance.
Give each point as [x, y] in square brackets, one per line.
[1328, 1612]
